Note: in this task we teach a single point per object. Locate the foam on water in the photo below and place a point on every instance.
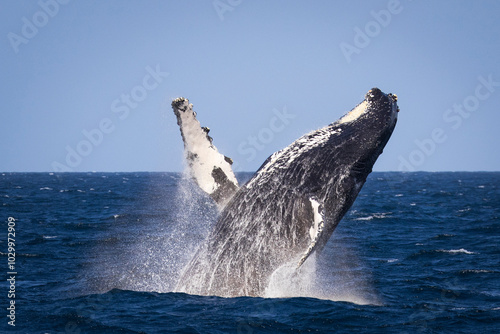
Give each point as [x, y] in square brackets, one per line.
[456, 251]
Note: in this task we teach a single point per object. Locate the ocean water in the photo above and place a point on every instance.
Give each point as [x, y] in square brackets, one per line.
[101, 253]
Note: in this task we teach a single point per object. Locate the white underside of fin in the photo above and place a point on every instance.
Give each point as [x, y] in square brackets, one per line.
[201, 155]
[315, 230]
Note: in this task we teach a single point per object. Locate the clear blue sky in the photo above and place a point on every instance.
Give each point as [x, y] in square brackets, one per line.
[96, 78]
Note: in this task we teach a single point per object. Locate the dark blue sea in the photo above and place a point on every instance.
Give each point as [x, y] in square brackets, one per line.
[101, 252]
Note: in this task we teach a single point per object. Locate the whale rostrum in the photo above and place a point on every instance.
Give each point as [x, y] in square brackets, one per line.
[289, 209]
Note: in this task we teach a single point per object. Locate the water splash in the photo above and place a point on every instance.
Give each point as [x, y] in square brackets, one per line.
[288, 281]
[147, 252]
[310, 280]
[154, 258]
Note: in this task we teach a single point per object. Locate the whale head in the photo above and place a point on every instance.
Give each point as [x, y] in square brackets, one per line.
[343, 162]
[367, 129]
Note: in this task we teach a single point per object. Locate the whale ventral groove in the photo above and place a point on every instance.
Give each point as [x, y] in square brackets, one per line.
[289, 209]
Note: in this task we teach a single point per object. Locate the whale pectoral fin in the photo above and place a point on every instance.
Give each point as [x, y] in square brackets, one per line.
[210, 169]
[226, 188]
[316, 230]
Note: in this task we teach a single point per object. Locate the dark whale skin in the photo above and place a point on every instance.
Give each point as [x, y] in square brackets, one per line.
[293, 203]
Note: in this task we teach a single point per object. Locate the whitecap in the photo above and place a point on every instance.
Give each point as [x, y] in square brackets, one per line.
[476, 271]
[45, 188]
[375, 215]
[490, 293]
[456, 251]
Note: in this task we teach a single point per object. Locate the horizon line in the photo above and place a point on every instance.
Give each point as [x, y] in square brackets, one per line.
[250, 171]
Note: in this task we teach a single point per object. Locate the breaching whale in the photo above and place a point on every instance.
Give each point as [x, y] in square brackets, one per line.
[289, 209]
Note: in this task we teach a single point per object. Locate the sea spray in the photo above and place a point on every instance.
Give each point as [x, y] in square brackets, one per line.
[176, 217]
[310, 280]
[194, 217]
[288, 281]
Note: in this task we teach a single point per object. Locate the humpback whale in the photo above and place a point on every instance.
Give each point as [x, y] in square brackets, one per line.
[289, 209]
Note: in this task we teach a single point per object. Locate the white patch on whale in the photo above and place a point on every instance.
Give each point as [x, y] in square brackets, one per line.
[201, 155]
[315, 230]
[354, 114]
[318, 220]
